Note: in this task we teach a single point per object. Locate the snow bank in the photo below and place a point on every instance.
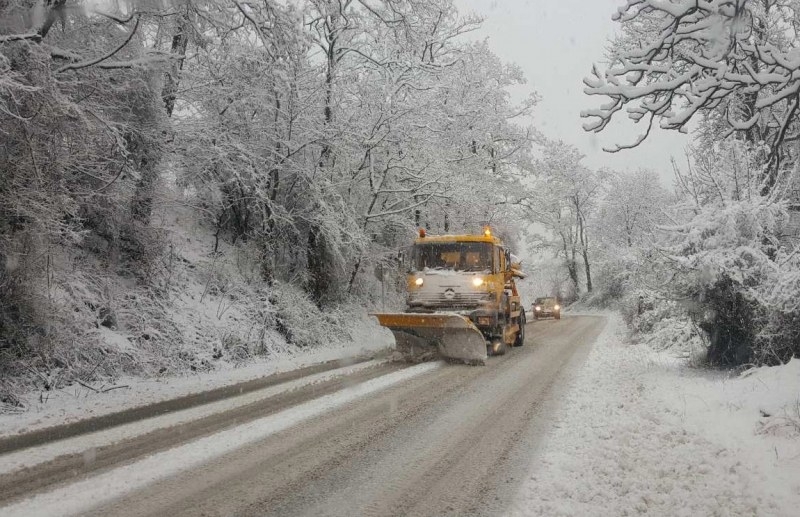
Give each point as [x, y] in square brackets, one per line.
[15, 461]
[77, 403]
[641, 433]
[79, 497]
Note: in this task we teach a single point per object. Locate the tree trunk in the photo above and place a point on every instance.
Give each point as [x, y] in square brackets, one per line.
[585, 252]
[588, 271]
[572, 265]
[353, 276]
[55, 10]
[180, 42]
[142, 202]
[319, 279]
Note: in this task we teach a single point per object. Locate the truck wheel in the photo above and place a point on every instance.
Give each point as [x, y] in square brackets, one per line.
[497, 347]
[520, 339]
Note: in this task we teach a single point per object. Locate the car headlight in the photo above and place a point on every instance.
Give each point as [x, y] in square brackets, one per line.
[477, 281]
[557, 307]
[537, 308]
[419, 281]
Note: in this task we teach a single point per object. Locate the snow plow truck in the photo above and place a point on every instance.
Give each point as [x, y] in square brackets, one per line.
[462, 301]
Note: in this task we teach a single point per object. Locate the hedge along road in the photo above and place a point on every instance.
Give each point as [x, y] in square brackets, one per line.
[443, 439]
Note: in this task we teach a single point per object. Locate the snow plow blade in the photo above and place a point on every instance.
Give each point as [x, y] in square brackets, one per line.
[421, 337]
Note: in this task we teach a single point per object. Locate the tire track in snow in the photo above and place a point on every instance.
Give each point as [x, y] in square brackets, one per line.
[83, 495]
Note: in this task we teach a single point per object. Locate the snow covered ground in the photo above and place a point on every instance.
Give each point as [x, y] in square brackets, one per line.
[642, 433]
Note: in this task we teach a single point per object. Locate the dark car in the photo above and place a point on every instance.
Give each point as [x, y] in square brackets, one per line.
[546, 308]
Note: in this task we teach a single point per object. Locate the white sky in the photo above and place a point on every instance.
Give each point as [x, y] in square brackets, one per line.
[555, 42]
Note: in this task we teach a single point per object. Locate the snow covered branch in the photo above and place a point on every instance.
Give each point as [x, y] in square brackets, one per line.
[110, 54]
[681, 58]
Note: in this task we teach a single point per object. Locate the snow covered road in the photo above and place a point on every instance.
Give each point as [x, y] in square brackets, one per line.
[381, 439]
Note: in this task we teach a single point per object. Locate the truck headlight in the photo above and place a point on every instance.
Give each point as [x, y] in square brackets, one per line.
[477, 281]
[419, 281]
[557, 307]
[537, 308]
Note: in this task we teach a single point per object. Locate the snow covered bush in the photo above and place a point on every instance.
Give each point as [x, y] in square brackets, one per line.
[708, 270]
[78, 163]
[677, 66]
[300, 320]
[614, 278]
[663, 324]
[70, 330]
[724, 257]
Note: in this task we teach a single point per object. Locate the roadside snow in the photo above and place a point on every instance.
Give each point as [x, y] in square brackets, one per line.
[77, 403]
[641, 433]
[83, 495]
[26, 458]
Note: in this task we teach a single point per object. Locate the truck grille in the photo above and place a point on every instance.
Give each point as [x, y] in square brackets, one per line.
[458, 300]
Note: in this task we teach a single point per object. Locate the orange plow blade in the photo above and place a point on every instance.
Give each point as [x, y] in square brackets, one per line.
[421, 337]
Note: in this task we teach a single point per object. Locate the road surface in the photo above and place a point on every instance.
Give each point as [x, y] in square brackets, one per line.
[452, 440]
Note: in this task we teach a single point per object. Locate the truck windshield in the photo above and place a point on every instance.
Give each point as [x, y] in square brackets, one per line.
[455, 256]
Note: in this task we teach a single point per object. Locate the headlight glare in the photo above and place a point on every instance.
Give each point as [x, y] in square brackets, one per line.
[477, 281]
[419, 281]
[537, 308]
[557, 307]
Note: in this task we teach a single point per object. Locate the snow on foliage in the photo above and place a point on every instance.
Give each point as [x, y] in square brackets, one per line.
[310, 139]
[679, 59]
[713, 265]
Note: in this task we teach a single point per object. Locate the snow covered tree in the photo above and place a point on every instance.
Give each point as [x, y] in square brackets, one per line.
[81, 139]
[727, 68]
[721, 250]
[631, 208]
[563, 199]
[326, 131]
[729, 60]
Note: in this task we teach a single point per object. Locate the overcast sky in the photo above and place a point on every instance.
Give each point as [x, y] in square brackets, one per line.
[556, 42]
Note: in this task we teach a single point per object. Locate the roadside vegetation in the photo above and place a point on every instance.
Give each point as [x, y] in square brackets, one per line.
[711, 267]
[187, 183]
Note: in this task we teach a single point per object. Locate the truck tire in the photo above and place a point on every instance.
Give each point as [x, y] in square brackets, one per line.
[520, 339]
[496, 347]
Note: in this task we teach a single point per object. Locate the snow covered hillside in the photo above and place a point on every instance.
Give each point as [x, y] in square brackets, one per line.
[205, 320]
